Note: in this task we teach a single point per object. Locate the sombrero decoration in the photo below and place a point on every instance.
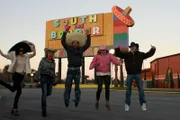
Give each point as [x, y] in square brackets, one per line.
[76, 36]
[123, 15]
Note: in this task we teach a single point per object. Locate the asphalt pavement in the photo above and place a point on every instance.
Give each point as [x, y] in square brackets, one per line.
[160, 106]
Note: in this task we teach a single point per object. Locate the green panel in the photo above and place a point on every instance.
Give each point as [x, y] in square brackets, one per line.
[121, 36]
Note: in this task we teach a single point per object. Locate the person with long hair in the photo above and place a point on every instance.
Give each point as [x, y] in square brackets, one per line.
[19, 67]
[102, 63]
[46, 73]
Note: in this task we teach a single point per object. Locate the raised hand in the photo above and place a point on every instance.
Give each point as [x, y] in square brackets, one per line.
[66, 28]
[1, 52]
[87, 31]
[153, 47]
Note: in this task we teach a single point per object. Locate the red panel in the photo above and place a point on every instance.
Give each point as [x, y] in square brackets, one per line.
[118, 23]
[120, 29]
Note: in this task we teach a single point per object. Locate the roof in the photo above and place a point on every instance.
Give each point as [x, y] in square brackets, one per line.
[165, 57]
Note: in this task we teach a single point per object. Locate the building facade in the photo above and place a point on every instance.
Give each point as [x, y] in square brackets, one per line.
[159, 67]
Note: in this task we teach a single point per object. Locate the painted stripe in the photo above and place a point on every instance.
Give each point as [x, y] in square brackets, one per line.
[118, 23]
[122, 43]
[120, 29]
[121, 36]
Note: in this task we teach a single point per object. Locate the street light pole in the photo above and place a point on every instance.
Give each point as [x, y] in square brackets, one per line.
[32, 79]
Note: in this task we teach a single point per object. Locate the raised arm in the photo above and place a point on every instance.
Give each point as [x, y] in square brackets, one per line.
[34, 50]
[63, 40]
[5, 55]
[88, 43]
[150, 53]
[119, 53]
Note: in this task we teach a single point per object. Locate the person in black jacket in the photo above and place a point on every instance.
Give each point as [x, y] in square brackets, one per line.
[75, 44]
[133, 63]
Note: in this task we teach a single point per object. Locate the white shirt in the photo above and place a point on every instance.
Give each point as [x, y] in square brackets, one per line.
[20, 66]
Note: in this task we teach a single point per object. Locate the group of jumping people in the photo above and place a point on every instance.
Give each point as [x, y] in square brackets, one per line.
[76, 44]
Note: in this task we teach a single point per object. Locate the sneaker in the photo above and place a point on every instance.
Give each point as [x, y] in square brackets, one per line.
[126, 107]
[143, 107]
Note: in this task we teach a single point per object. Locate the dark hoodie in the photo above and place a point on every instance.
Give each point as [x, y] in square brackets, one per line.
[74, 55]
[134, 60]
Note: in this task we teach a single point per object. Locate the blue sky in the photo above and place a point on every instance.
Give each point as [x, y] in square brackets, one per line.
[157, 22]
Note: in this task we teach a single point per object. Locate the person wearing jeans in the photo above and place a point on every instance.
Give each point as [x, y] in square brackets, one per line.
[19, 67]
[133, 63]
[72, 74]
[75, 44]
[102, 63]
[46, 73]
[138, 79]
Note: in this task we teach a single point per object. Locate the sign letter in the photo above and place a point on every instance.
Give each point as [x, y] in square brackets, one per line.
[96, 30]
[53, 35]
[92, 18]
[74, 21]
[83, 18]
[65, 22]
[56, 23]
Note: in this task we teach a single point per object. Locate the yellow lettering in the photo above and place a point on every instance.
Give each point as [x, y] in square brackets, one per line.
[93, 18]
[74, 21]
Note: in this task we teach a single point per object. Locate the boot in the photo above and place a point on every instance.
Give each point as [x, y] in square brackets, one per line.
[44, 111]
[107, 105]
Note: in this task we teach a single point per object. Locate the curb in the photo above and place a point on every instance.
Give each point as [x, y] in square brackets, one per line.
[160, 92]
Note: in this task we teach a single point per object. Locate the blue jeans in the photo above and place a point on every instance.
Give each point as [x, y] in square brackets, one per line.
[138, 79]
[46, 88]
[72, 75]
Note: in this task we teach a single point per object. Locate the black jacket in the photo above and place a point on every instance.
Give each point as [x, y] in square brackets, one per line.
[133, 61]
[74, 55]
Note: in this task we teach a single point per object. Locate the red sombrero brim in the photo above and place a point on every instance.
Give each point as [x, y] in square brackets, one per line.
[126, 19]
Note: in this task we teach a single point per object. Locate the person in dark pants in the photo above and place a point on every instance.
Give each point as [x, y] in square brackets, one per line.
[133, 63]
[102, 63]
[46, 73]
[20, 66]
[75, 44]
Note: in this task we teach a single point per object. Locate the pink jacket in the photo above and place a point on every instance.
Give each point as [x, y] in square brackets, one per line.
[103, 62]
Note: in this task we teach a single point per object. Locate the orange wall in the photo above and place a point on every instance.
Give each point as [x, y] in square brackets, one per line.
[104, 21]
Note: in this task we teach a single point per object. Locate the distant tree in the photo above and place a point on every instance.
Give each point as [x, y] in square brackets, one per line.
[178, 78]
[153, 80]
[171, 79]
[5, 69]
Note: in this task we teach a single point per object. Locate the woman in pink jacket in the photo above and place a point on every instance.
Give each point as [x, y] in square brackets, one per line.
[102, 63]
